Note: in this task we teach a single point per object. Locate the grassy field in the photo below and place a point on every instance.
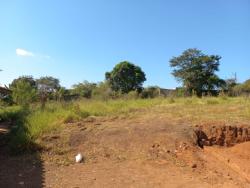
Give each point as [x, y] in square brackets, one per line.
[34, 123]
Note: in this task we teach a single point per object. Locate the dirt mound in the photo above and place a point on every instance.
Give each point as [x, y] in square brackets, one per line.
[207, 135]
[236, 158]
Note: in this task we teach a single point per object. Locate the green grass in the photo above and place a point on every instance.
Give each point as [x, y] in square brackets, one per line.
[210, 109]
[56, 114]
[9, 113]
[34, 124]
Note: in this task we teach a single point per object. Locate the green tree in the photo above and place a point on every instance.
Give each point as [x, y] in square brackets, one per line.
[103, 91]
[229, 86]
[126, 77]
[243, 88]
[61, 93]
[48, 84]
[150, 92]
[84, 89]
[246, 86]
[197, 71]
[47, 87]
[23, 93]
[28, 79]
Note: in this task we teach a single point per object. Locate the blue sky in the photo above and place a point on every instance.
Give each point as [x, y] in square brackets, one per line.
[76, 40]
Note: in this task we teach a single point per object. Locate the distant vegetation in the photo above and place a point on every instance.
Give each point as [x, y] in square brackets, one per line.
[38, 106]
[195, 70]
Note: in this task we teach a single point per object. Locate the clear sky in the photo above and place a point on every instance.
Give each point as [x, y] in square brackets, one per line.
[76, 40]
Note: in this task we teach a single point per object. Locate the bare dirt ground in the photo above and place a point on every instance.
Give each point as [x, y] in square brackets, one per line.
[143, 150]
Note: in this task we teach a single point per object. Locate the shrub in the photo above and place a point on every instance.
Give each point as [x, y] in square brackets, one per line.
[23, 94]
[84, 89]
[10, 113]
[131, 95]
[150, 92]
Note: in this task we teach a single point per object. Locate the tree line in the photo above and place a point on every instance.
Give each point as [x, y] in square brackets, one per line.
[194, 69]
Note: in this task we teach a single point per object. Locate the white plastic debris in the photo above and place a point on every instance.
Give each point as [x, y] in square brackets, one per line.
[78, 158]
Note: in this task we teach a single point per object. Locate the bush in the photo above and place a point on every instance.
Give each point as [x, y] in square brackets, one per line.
[150, 92]
[19, 138]
[23, 94]
[84, 89]
[242, 89]
[6, 101]
[10, 113]
[131, 95]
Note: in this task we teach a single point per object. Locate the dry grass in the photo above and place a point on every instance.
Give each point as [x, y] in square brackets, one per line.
[224, 110]
[191, 110]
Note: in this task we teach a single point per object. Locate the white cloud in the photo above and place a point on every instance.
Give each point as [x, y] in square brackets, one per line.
[25, 53]
[22, 52]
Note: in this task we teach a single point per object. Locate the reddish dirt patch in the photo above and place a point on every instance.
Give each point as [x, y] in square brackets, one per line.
[21, 171]
[144, 151]
[236, 158]
[209, 135]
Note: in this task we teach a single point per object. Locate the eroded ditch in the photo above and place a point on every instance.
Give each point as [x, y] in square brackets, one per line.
[207, 135]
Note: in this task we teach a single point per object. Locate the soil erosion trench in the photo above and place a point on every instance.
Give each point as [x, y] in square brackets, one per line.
[206, 135]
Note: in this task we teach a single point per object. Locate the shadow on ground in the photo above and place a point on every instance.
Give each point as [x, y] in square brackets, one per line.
[22, 170]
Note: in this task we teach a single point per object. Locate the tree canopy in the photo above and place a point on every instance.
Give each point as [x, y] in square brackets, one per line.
[84, 89]
[48, 84]
[23, 93]
[197, 71]
[242, 88]
[126, 77]
[28, 79]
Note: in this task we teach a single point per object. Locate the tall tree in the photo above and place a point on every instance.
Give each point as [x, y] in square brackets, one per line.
[197, 71]
[23, 94]
[28, 79]
[243, 88]
[126, 77]
[47, 86]
[84, 89]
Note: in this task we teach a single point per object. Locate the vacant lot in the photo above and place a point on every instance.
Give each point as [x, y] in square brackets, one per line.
[130, 143]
